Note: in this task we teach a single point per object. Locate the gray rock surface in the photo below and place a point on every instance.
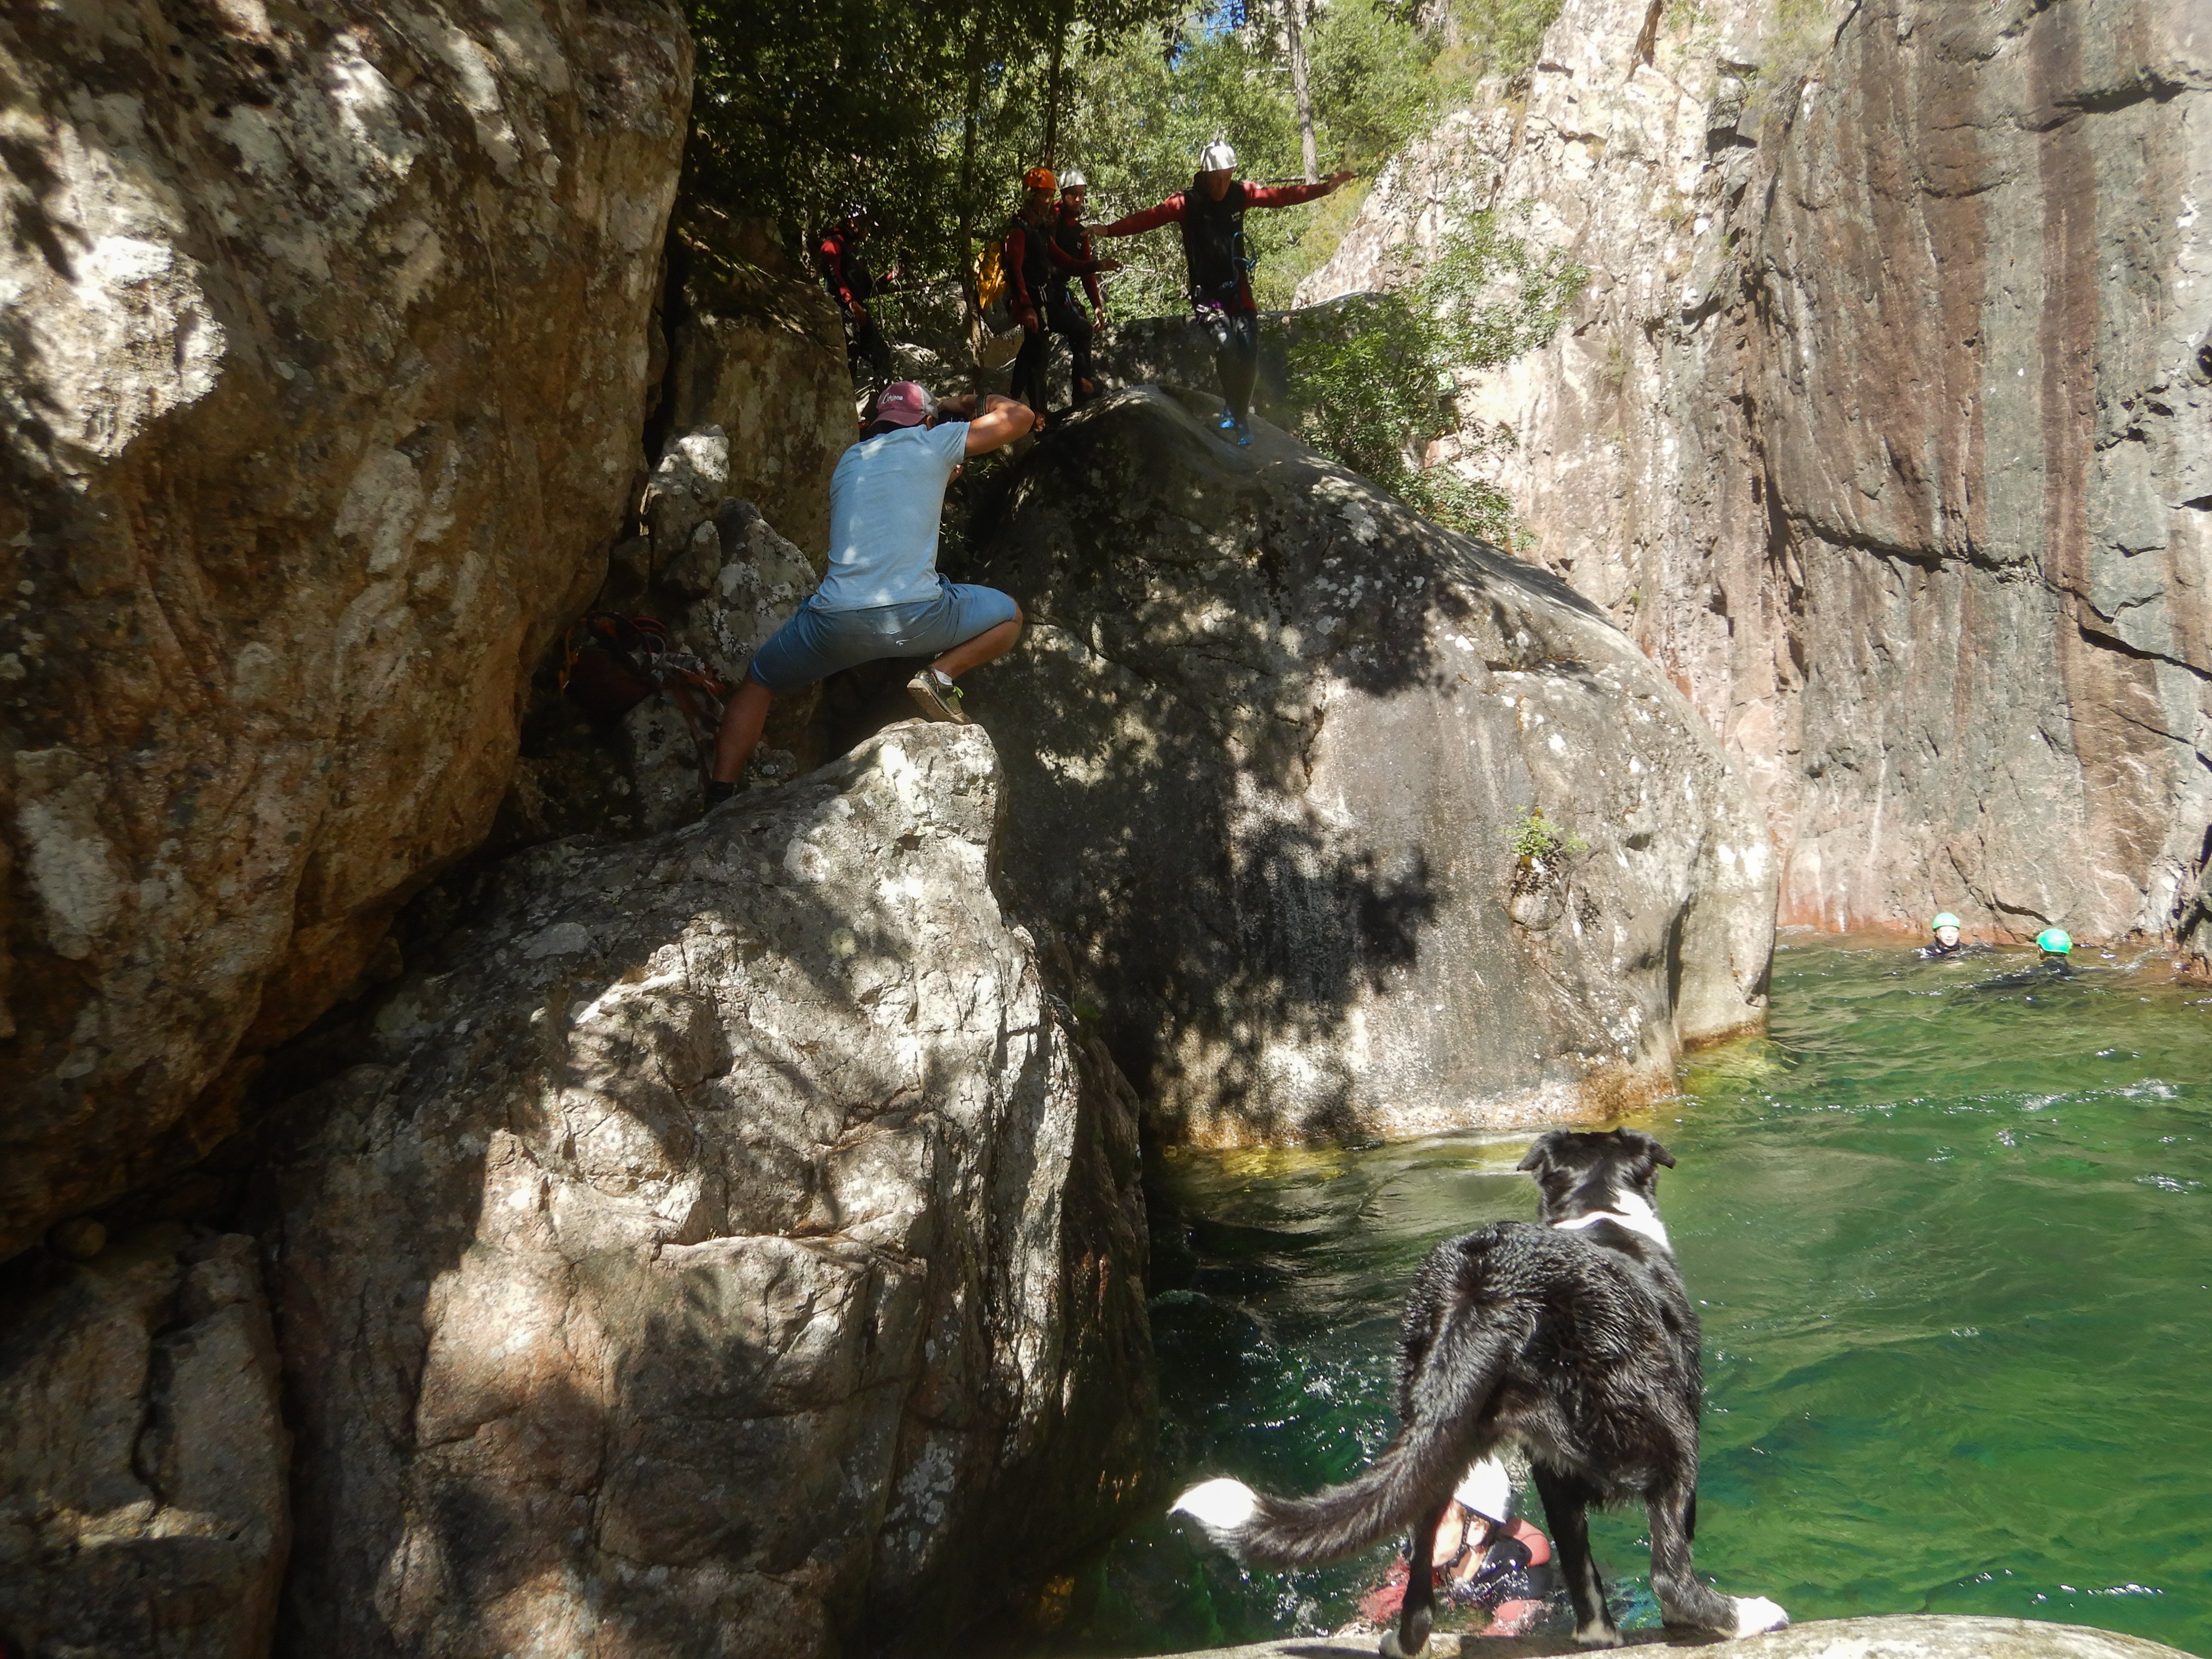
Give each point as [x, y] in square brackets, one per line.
[324, 356]
[729, 1248]
[1267, 741]
[1908, 1635]
[1884, 424]
[142, 1455]
[755, 348]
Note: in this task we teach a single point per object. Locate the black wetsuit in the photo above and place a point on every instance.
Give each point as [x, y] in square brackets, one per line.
[1071, 260]
[1029, 271]
[851, 284]
[1509, 1572]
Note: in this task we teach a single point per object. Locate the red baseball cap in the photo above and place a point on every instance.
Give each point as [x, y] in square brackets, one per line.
[904, 403]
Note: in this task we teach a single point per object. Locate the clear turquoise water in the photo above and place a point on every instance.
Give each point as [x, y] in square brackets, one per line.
[1952, 1244]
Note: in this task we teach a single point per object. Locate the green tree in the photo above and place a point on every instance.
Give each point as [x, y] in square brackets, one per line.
[1373, 376]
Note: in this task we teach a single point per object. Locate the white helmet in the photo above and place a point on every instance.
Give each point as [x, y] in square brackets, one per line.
[1073, 180]
[1217, 157]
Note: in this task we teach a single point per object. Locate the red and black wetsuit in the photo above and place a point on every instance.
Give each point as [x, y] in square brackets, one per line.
[1027, 258]
[848, 278]
[1070, 250]
[1219, 272]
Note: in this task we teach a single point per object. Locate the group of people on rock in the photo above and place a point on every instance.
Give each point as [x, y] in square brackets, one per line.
[1051, 265]
[883, 597]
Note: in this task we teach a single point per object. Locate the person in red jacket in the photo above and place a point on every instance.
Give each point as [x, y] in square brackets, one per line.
[846, 275]
[1211, 216]
[1026, 257]
[1074, 260]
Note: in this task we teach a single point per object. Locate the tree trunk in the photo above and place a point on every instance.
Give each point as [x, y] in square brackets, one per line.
[1293, 27]
[967, 270]
[1052, 83]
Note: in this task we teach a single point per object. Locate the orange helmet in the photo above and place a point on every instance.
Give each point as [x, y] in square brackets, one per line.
[1039, 179]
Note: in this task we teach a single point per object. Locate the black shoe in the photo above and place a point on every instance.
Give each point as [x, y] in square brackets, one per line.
[718, 791]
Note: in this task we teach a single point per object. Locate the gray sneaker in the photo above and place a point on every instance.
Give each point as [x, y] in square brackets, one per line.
[939, 697]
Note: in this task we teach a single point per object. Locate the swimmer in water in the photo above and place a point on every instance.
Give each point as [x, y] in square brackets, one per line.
[2054, 947]
[1484, 1558]
[1946, 942]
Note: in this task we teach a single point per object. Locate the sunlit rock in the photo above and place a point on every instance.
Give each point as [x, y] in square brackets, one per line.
[1353, 826]
[730, 1246]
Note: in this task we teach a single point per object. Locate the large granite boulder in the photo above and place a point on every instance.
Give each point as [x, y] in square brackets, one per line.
[1885, 422]
[324, 351]
[1353, 826]
[730, 1246]
[143, 1454]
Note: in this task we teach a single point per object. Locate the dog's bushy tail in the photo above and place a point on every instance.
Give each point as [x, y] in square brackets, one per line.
[1413, 1475]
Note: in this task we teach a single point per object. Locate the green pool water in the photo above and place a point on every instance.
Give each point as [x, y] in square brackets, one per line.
[1951, 1243]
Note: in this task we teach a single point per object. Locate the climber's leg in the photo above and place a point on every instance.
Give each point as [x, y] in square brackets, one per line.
[1237, 360]
[737, 736]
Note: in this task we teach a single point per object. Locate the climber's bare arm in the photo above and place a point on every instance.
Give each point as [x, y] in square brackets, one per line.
[1002, 421]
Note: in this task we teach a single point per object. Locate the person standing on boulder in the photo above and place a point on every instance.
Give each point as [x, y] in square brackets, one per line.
[846, 275]
[1073, 258]
[1026, 257]
[883, 597]
[1212, 215]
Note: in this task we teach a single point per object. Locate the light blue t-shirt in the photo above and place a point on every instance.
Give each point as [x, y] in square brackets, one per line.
[885, 499]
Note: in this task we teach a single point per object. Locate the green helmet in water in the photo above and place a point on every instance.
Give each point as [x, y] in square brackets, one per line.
[2054, 941]
[1943, 919]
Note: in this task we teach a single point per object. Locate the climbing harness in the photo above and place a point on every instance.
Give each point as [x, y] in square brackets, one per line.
[609, 663]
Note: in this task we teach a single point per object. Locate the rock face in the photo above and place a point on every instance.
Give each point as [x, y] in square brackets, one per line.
[759, 351]
[1922, 1636]
[1886, 423]
[143, 1456]
[1269, 743]
[732, 1246]
[324, 355]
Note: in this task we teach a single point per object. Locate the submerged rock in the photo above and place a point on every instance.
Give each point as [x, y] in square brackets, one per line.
[142, 1455]
[324, 361]
[1354, 826]
[733, 1245]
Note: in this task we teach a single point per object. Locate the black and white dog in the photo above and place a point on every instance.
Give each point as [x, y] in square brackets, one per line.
[1573, 1339]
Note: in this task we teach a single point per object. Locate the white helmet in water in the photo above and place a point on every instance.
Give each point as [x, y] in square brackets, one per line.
[1217, 157]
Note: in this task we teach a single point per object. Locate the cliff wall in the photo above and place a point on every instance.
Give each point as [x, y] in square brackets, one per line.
[1883, 422]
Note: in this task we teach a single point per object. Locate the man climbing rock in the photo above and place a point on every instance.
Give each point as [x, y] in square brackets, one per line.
[1212, 215]
[1073, 257]
[1027, 259]
[883, 597]
[846, 275]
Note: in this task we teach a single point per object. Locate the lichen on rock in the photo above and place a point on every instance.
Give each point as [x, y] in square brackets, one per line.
[732, 1242]
[324, 361]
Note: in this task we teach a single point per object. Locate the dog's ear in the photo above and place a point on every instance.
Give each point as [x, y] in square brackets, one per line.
[1655, 1155]
[1539, 1158]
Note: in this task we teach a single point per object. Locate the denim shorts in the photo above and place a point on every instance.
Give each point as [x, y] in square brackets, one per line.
[816, 643]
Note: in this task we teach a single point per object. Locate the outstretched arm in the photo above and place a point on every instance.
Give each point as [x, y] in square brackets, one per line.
[1281, 196]
[1169, 212]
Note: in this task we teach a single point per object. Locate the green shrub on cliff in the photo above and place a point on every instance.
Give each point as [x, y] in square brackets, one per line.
[1374, 377]
[1534, 838]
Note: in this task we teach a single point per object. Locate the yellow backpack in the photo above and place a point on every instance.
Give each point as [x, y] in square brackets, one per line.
[990, 279]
